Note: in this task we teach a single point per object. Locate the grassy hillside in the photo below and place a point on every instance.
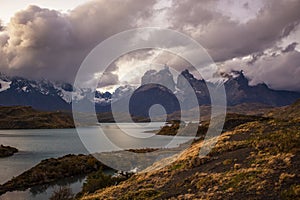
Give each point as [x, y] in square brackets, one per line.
[291, 112]
[205, 111]
[22, 117]
[25, 117]
[258, 159]
[232, 120]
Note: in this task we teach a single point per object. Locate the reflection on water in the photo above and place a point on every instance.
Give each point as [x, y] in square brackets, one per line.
[45, 191]
[37, 190]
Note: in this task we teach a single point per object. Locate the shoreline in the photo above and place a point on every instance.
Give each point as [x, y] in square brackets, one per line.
[52, 170]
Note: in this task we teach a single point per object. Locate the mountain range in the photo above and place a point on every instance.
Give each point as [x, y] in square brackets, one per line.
[52, 96]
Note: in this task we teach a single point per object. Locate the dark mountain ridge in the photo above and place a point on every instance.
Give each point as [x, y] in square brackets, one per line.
[52, 96]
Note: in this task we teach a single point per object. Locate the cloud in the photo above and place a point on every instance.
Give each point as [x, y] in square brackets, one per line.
[255, 57]
[1, 26]
[108, 79]
[97, 20]
[38, 41]
[132, 66]
[44, 43]
[278, 71]
[225, 38]
[290, 47]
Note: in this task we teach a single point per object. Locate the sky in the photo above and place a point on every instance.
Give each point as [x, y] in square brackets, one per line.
[50, 38]
[10, 7]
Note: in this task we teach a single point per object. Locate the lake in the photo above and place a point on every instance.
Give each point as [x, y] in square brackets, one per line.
[38, 144]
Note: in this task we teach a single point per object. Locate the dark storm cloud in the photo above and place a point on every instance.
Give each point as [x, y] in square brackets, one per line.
[98, 20]
[255, 57]
[290, 47]
[290, 27]
[43, 43]
[38, 43]
[225, 38]
[108, 79]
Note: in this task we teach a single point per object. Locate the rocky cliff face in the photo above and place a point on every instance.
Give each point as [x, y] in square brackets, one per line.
[237, 90]
[188, 85]
[149, 95]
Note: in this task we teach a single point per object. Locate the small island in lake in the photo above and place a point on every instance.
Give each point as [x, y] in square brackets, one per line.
[51, 170]
[6, 151]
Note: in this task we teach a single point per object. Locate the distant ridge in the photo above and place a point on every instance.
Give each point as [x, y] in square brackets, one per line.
[25, 117]
[53, 96]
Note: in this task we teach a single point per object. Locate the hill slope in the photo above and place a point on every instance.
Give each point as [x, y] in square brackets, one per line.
[24, 117]
[291, 112]
[255, 160]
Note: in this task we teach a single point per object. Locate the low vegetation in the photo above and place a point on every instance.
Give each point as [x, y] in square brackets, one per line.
[254, 158]
[22, 117]
[232, 120]
[62, 193]
[98, 180]
[287, 113]
[52, 170]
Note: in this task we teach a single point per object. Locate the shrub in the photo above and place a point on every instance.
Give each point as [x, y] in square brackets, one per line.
[62, 193]
[99, 180]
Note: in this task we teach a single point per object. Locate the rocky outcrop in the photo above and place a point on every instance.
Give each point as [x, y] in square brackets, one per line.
[6, 151]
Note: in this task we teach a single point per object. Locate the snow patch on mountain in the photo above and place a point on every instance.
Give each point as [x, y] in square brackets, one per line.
[67, 92]
[4, 85]
[25, 89]
[66, 96]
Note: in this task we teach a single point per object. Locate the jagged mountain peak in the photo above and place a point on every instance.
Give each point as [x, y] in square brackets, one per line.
[239, 77]
[163, 77]
[186, 73]
[48, 95]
